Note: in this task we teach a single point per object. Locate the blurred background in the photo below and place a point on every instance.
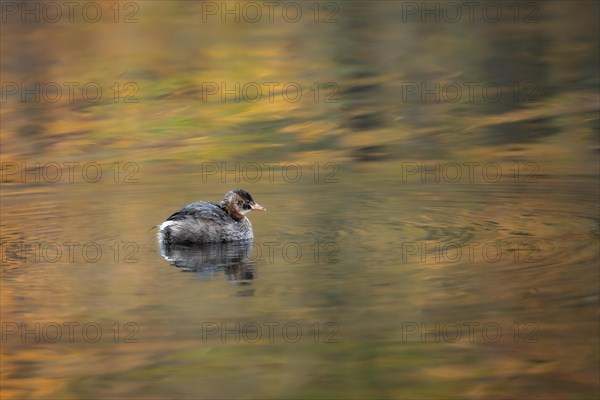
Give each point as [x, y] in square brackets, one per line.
[430, 171]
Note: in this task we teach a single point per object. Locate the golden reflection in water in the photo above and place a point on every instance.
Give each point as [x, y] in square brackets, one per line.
[371, 134]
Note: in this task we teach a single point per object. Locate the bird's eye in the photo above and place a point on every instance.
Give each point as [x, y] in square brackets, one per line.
[239, 203]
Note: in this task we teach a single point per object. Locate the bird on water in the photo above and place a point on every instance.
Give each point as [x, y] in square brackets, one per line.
[211, 222]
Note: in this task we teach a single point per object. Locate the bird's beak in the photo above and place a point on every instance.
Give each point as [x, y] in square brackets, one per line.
[258, 207]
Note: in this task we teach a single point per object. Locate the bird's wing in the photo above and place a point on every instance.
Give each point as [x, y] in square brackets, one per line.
[202, 210]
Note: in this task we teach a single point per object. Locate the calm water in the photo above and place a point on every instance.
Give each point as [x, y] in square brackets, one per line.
[432, 192]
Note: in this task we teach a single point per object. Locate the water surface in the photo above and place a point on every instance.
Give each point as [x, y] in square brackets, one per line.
[414, 246]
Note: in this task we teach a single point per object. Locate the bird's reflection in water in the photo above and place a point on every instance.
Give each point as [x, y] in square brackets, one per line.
[209, 259]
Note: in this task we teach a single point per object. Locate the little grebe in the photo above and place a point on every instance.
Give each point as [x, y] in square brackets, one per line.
[209, 222]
